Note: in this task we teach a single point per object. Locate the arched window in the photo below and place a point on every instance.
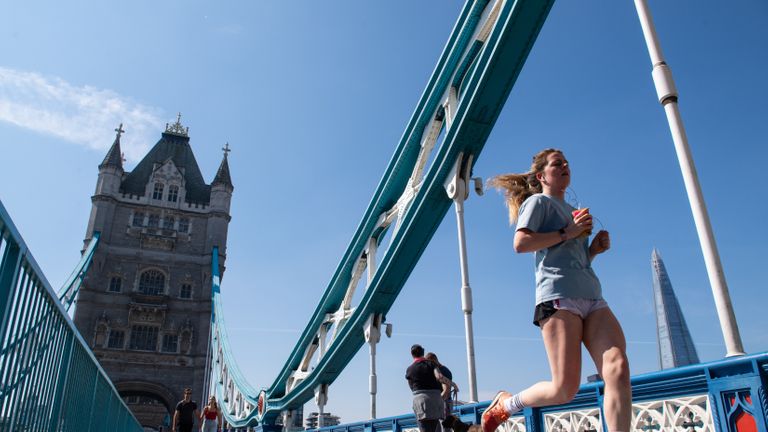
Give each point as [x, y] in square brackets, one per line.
[157, 192]
[152, 282]
[173, 193]
[115, 284]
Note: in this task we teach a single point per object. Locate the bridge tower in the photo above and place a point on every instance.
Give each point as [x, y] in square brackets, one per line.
[146, 302]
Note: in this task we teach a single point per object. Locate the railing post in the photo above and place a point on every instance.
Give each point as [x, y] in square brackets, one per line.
[61, 382]
[10, 267]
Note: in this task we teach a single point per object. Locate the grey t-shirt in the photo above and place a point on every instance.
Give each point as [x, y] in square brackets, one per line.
[563, 270]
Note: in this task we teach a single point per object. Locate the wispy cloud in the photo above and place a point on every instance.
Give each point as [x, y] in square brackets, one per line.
[83, 115]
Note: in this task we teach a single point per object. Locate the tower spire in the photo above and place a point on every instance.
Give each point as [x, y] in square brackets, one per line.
[222, 175]
[114, 156]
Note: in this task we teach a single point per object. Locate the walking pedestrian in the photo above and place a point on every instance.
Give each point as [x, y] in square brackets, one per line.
[448, 390]
[425, 380]
[185, 414]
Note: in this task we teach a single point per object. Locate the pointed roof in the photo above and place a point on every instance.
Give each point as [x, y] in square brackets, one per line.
[174, 146]
[222, 175]
[676, 346]
[114, 157]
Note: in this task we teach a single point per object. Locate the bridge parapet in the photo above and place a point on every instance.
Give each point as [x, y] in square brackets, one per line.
[49, 378]
[726, 395]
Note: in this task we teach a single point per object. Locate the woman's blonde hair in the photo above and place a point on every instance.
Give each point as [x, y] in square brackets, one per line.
[518, 187]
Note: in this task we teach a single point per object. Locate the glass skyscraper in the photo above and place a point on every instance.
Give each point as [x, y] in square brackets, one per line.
[675, 344]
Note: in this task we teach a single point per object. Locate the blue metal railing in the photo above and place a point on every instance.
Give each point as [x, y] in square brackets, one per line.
[71, 287]
[49, 378]
[225, 380]
[725, 395]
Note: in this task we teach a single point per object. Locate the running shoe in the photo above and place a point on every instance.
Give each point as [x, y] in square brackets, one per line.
[496, 413]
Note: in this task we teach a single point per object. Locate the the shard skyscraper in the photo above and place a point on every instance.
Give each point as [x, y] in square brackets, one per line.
[675, 345]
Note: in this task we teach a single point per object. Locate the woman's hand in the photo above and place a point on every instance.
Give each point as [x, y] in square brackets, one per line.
[600, 244]
[581, 224]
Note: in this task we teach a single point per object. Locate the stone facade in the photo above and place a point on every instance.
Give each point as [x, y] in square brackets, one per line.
[145, 306]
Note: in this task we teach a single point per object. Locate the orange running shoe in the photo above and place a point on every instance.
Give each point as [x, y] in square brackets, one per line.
[496, 413]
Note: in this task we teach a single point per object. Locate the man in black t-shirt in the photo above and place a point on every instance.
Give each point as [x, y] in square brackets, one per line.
[424, 379]
[185, 414]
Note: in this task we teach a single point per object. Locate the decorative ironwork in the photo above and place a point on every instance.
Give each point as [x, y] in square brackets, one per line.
[577, 421]
[177, 128]
[513, 424]
[692, 423]
[684, 414]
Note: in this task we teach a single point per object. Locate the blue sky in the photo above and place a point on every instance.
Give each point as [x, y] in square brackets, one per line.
[313, 98]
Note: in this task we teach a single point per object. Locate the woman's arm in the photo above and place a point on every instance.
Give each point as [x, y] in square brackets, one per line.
[444, 382]
[529, 241]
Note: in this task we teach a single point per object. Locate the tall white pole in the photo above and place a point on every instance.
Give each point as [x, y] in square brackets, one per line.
[667, 93]
[457, 189]
[466, 298]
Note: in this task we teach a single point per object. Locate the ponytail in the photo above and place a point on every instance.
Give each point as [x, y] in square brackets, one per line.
[518, 187]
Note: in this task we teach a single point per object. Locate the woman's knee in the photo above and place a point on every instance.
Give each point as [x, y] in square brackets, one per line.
[615, 366]
[563, 393]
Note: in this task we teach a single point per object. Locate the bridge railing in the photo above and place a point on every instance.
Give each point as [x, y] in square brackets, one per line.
[49, 378]
[725, 395]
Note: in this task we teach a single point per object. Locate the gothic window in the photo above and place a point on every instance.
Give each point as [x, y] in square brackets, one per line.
[100, 336]
[185, 341]
[115, 284]
[170, 343]
[186, 291]
[153, 221]
[116, 339]
[138, 219]
[168, 222]
[144, 338]
[183, 225]
[152, 282]
[157, 193]
[173, 193]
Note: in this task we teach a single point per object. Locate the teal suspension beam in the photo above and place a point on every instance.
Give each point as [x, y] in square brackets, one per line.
[471, 82]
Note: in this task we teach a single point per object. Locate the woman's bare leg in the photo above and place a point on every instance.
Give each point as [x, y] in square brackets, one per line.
[562, 333]
[605, 341]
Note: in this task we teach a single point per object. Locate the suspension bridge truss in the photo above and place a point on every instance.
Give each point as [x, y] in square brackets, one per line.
[431, 165]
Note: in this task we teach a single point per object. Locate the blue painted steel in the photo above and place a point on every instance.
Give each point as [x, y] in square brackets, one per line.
[223, 366]
[49, 378]
[72, 285]
[504, 53]
[484, 74]
[742, 377]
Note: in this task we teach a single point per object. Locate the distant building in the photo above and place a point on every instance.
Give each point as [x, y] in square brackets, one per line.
[675, 344]
[328, 420]
[145, 305]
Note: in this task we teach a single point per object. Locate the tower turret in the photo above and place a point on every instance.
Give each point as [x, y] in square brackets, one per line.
[221, 187]
[111, 168]
[221, 197]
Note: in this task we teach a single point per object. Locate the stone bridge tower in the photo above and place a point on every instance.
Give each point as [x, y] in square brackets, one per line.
[145, 305]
